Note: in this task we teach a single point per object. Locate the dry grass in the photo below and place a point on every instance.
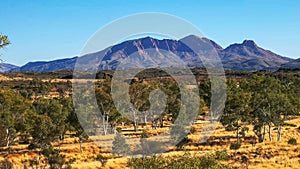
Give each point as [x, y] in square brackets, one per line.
[267, 155]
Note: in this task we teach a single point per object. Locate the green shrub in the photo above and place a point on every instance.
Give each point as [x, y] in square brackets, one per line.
[120, 147]
[221, 155]
[290, 124]
[55, 159]
[292, 141]
[103, 160]
[235, 146]
[186, 161]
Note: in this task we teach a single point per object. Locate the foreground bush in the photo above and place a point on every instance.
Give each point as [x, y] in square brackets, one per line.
[186, 161]
[235, 146]
[292, 141]
[6, 164]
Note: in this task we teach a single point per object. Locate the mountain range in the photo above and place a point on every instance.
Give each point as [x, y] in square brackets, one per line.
[4, 67]
[148, 52]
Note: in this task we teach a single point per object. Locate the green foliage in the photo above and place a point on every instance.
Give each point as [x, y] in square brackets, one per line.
[4, 41]
[290, 124]
[221, 155]
[237, 111]
[13, 108]
[144, 134]
[292, 141]
[120, 147]
[272, 102]
[102, 159]
[235, 146]
[186, 161]
[55, 159]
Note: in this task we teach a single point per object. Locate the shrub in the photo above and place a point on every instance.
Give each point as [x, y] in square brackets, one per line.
[292, 141]
[103, 160]
[120, 147]
[55, 159]
[151, 147]
[6, 164]
[235, 146]
[144, 134]
[290, 124]
[186, 161]
[221, 155]
[193, 130]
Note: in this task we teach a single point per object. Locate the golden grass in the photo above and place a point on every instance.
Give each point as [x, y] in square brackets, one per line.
[267, 155]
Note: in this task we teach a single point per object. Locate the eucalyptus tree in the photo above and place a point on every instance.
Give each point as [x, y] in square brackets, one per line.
[271, 105]
[236, 115]
[4, 41]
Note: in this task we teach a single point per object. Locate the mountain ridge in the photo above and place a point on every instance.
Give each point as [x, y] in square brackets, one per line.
[247, 56]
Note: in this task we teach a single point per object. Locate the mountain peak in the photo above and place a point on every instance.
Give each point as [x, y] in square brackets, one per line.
[239, 56]
[249, 43]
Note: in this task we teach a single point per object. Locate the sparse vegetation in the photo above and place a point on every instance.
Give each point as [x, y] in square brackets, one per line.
[259, 108]
[186, 161]
[235, 146]
[120, 147]
[292, 141]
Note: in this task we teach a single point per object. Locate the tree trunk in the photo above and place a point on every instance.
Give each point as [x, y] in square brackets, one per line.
[237, 132]
[237, 135]
[264, 133]
[260, 135]
[279, 133]
[105, 123]
[145, 118]
[270, 136]
[38, 161]
[7, 137]
[161, 122]
[80, 144]
[135, 123]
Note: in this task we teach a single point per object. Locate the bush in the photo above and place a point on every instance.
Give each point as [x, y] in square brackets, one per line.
[193, 130]
[103, 160]
[186, 161]
[151, 147]
[221, 155]
[292, 141]
[120, 147]
[6, 164]
[55, 159]
[235, 146]
[290, 124]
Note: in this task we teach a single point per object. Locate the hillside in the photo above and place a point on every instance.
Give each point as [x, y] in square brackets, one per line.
[149, 52]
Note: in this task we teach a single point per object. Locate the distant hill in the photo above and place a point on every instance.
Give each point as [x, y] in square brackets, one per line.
[5, 67]
[294, 64]
[56, 65]
[247, 56]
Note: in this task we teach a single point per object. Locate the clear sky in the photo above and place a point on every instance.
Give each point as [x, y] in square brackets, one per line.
[52, 29]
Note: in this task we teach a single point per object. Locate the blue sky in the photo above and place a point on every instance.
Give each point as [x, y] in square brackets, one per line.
[47, 30]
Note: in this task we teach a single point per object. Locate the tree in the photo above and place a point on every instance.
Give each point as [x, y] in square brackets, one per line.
[237, 110]
[42, 131]
[55, 111]
[271, 105]
[120, 147]
[55, 159]
[72, 122]
[13, 108]
[4, 41]
[109, 115]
